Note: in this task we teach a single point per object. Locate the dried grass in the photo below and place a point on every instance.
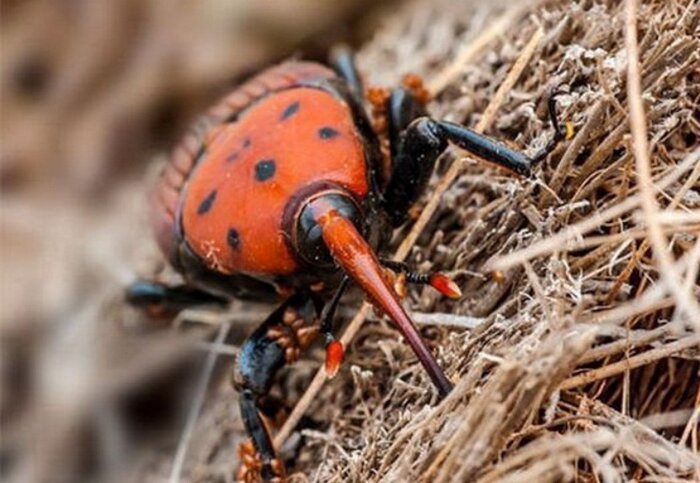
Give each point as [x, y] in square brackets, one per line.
[577, 342]
[581, 364]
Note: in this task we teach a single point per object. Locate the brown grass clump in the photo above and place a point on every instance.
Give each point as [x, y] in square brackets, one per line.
[574, 350]
[584, 363]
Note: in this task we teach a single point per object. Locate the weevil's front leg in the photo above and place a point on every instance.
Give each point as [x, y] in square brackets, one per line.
[413, 153]
[498, 153]
[160, 300]
[417, 147]
[416, 151]
[278, 341]
[438, 280]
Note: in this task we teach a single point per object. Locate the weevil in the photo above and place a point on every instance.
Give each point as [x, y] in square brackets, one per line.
[289, 188]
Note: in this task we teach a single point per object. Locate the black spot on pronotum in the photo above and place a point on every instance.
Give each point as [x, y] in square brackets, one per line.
[327, 133]
[232, 238]
[290, 110]
[236, 154]
[206, 203]
[265, 169]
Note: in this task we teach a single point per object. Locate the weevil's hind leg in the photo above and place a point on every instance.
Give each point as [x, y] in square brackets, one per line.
[279, 340]
[161, 300]
[342, 60]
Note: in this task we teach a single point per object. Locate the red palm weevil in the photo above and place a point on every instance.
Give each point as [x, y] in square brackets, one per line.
[283, 190]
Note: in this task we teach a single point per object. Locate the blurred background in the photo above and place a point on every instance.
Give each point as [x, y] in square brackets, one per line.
[94, 95]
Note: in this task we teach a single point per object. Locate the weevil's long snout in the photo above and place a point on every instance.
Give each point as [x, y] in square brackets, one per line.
[350, 250]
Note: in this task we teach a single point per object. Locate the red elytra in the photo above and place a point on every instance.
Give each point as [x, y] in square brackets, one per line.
[232, 210]
[192, 156]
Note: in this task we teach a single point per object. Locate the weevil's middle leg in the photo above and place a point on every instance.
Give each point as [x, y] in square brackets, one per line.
[278, 341]
[161, 300]
[438, 280]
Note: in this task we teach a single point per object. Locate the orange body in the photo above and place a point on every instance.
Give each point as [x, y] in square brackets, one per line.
[225, 191]
[232, 211]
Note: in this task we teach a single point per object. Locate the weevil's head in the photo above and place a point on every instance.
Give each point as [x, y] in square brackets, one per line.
[327, 230]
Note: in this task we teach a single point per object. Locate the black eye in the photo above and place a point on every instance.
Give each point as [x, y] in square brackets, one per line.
[309, 242]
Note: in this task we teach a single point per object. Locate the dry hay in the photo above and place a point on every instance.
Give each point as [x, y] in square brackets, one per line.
[581, 349]
[579, 364]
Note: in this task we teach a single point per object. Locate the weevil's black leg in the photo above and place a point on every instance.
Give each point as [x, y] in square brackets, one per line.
[158, 299]
[328, 312]
[279, 340]
[343, 62]
[416, 148]
[498, 153]
[402, 109]
[559, 132]
[414, 151]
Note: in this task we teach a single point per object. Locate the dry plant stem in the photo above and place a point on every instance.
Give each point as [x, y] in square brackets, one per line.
[565, 239]
[650, 300]
[448, 320]
[692, 422]
[684, 457]
[427, 213]
[634, 361]
[640, 145]
[635, 339]
[693, 266]
[641, 251]
[495, 30]
[577, 144]
[196, 407]
[621, 435]
[539, 291]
